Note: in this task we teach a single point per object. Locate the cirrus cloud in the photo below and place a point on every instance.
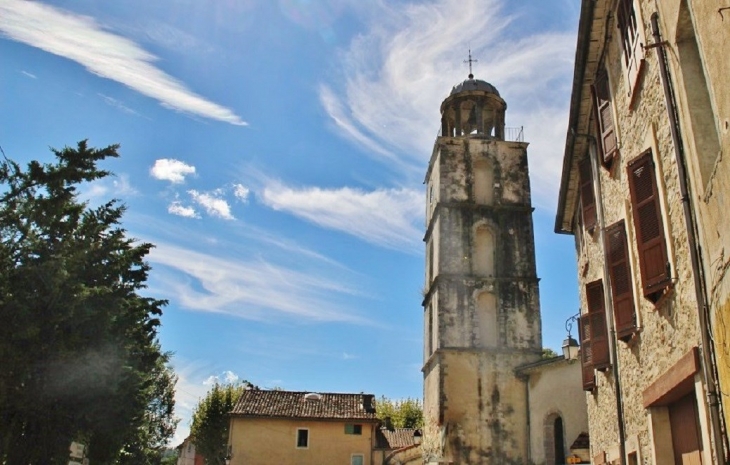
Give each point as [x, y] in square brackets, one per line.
[108, 55]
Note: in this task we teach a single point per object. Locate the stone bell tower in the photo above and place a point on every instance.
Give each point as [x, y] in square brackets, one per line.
[481, 304]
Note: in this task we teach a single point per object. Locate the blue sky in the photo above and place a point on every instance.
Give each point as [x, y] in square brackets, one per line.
[274, 151]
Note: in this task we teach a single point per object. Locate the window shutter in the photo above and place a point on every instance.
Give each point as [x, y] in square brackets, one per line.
[599, 333]
[650, 237]
[617, 257]
[586, 355]
[604, 117]
[632, 38]
[587, 198]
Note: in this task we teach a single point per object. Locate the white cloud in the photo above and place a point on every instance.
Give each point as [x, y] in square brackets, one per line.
[176, 208]
[241, 192]
[396, 75]
[256, 290]
[30, 75]
[386, 217]
[83, 40]
[169, 169]
[112, 187]
[111, 101]
[213, 205]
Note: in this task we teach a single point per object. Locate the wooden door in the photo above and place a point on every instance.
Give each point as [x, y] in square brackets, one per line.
[684, 422]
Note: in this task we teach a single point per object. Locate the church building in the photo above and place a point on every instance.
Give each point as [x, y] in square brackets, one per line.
[482, 325]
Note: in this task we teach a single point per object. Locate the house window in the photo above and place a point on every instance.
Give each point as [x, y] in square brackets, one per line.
[587, 198]
[357, 459]
[617, 257]
[593, 335]
[353, 429]
[302, 438]
[604, 118]
[632, 38]
[650, 238]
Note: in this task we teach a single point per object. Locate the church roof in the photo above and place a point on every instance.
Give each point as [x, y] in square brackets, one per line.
[474, 84]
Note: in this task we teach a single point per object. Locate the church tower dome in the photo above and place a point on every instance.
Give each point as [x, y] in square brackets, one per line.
[474, 107]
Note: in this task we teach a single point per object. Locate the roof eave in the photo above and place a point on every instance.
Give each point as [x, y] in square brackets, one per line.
[581, 57]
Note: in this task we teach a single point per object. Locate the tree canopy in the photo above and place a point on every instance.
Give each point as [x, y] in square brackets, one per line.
[403, 413]
[210, 423]
[78, 342]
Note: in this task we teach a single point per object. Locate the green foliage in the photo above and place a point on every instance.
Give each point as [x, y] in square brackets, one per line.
[548, 353]
[403, 413]
[78, 343]
[210, 423]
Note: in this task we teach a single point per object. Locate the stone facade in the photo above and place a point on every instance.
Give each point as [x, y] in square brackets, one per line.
[622, 147]
[481, 305]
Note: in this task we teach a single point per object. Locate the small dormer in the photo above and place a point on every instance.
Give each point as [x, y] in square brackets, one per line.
[474, 108]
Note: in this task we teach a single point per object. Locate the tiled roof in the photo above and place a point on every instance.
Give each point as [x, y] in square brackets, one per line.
[290, 404]
[394, 438]
[581, 442]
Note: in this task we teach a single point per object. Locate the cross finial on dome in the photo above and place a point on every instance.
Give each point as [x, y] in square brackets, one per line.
[470, 61]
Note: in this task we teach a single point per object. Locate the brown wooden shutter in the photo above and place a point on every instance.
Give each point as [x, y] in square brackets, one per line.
[599, 332]
[587, 198]
[586, 354]
[617, 257]
[604, 117]
[650, 237]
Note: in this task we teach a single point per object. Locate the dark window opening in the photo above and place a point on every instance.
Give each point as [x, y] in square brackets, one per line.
[302, 438]
[353, 429]
[559, 441]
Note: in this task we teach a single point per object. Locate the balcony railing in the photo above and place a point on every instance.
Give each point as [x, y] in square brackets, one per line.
[510, 134]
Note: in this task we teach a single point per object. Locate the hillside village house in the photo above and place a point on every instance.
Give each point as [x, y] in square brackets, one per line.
[645, 190]
[311, 429]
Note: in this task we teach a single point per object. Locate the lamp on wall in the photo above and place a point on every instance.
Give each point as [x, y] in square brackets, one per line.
[570, 345]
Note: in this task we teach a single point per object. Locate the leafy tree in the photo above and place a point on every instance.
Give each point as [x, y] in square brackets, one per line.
[403, 413]
[210, 423]
[148, 446]
[548, 353]
[78, 343]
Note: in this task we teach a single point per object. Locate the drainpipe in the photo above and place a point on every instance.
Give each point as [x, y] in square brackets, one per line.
[607, 295]
[708, 362]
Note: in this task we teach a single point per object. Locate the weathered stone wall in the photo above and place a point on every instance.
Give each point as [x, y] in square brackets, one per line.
[470, 387]
[710, 191]
[669, 329]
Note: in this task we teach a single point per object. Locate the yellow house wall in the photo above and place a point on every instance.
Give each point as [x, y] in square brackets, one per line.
[553, 391]
[264, 441]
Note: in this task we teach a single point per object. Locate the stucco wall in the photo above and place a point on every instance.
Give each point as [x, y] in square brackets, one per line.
[555, 390]
[265, 441]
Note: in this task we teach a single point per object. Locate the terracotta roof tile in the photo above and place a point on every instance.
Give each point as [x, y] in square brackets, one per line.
[292, 404]
[394, 438]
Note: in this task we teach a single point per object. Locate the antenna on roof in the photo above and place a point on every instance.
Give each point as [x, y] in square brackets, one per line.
[470, 61]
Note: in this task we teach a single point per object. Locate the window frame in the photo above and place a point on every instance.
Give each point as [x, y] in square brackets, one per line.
[353, 429]
[632, 40]
[361, 455]
[298, 437]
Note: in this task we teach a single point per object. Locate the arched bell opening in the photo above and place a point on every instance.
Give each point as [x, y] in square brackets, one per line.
[473, 115]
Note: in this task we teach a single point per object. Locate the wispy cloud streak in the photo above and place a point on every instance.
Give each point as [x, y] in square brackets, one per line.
[396, 75]
[386, 217]
[251, 289]
[82, 39]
